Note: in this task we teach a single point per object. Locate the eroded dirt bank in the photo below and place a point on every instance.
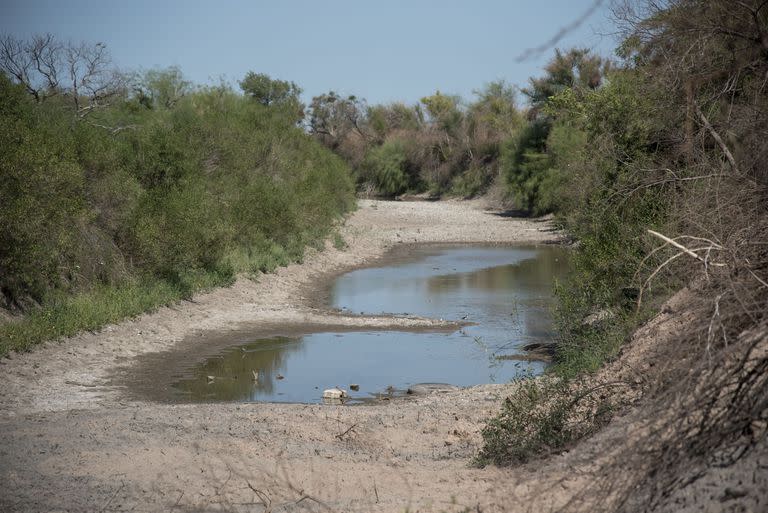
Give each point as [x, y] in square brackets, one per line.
[71, 439]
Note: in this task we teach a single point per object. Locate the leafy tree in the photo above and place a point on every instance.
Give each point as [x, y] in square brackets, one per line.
[443, 110]
[577, 68]
[496, 108]
[383, 119]
[334, 117]
[135, 218]
[268, 91]
[162, 88]
[386, 165]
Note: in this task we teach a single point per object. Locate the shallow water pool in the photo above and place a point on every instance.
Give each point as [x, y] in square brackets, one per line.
[504, 292]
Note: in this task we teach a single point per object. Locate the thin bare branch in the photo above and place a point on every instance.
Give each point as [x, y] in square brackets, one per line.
[686, 250]
[716, 137]
[560, 34]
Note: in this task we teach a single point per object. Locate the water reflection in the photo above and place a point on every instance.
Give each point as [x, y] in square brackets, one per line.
[230, 376]
[507, 292]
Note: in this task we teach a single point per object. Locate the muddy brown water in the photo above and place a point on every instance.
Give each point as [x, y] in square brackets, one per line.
[506, 293]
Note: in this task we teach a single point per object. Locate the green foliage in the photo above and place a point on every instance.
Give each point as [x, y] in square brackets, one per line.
[268, 91]
[41, 197]
[339, 242]
[575, 69]
[599, 141]
[541, 416]
[539, 165]
[526, 164]
[384, 119]
[496, 109]
[385, 165]
[162, 88]
[334, 118]
[190, 195]
[559, 184]
[469, 183]
[447, 146]
[444, 110]
[65, 315]
[582, 157]
[278, 94]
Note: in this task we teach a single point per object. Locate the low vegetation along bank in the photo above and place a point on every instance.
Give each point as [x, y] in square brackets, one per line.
[660, 174]
[139, 193]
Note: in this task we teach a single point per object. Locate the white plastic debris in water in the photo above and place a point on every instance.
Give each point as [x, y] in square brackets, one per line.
[335, 393]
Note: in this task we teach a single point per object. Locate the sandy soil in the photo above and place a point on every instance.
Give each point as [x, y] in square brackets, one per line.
[73, 438]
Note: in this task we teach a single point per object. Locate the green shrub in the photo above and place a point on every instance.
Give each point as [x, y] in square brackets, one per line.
[586, 164]
[541, 416]
[470, 183]
[524, 163]
[41, 198]
[385, 165]
[188, 194]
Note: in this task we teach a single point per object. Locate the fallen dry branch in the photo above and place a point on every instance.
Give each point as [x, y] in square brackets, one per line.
[692, 252]
[688, 251]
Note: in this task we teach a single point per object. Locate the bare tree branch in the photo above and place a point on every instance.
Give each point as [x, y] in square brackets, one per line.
[17, 62]
[46, 68]
[551, 42]
[716, 137]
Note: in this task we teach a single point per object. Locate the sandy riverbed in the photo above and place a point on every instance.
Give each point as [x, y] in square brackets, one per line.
[73, 439]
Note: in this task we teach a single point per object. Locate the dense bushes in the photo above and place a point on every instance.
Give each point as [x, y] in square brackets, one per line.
[185, 192]
[582, 159]
[672, 142]
[446, 145]
[385, 166]
[440, 145]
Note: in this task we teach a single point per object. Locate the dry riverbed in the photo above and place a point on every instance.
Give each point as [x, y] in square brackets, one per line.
[73, 438]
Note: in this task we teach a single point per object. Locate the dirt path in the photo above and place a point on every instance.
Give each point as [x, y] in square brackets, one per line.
[71, 439]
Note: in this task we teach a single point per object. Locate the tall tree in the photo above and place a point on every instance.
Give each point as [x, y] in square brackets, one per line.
[576, 68]
[269, 91]
[162, 88]
[334, 117]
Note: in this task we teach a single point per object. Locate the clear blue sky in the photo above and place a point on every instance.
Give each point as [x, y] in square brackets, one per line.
[379, 50]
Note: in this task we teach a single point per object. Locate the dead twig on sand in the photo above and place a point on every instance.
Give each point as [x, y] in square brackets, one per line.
[351, 428]
[317, 501]
[103, 509]
[177, 501]
[264, 497]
